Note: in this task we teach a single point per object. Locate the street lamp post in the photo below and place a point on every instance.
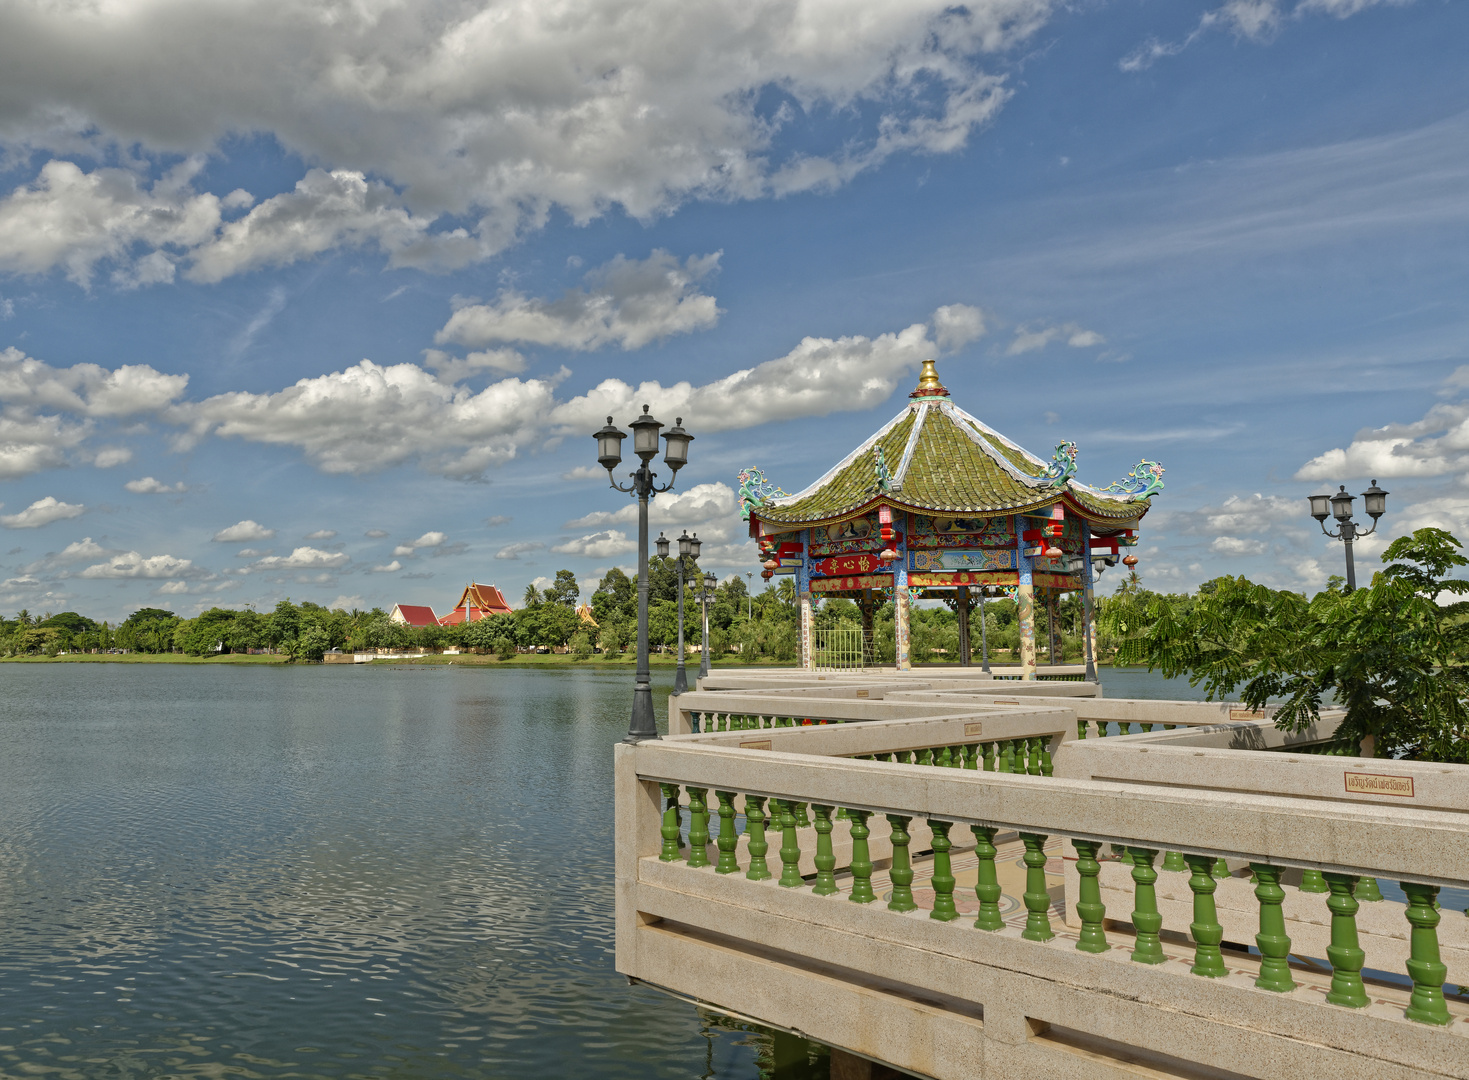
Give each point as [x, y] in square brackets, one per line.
[709, 583]
[609, 455]
[1374, 502]
[688, 548]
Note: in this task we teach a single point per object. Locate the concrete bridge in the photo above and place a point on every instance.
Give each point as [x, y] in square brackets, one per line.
[958, 877]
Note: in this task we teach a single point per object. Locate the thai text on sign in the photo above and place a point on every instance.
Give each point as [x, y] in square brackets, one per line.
[1379, 784]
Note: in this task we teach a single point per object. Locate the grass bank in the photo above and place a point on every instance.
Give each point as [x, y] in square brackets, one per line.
[143, 658]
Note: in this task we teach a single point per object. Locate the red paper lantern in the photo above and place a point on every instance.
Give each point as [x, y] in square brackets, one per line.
[767, 574]
[1129, 560]
[772, 564]
[888, 555]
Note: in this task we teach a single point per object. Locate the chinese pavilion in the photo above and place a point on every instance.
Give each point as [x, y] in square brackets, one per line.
[937, 503]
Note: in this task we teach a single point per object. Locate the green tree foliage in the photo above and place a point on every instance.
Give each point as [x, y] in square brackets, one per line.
[1392, 654]
[563, 590]
[148, 630]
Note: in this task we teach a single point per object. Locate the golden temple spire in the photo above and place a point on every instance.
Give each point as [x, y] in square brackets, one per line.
[928, 383]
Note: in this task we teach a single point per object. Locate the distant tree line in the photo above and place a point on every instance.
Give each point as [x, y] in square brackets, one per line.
[762, 626]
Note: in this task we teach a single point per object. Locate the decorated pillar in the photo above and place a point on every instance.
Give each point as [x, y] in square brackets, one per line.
[1025, 602]
[1088, 608]
[869, 659]
[901, 601]
[804, 613]
[1052, 597]
[962, 608]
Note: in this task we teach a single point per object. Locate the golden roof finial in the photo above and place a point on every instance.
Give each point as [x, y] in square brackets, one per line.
[928, 383]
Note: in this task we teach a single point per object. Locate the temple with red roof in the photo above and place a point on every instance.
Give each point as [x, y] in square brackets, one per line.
[413, 615]
[476, 602]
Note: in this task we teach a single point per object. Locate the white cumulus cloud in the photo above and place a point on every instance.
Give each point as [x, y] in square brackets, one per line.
[243, 532]
[42, 512]
[134, 565]
[956, 325]
[149, 486]
[303, 558]
[515, 551]
[1029, 339]
[627, 303]
[498, 112]
[600, 545]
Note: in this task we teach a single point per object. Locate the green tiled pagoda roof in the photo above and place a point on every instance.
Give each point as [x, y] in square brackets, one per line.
[955, 465]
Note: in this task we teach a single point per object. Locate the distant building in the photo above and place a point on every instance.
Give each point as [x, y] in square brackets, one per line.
[413, 615]
[476, 602]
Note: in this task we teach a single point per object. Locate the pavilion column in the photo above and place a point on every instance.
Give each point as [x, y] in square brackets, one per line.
[962, 607]
[1088, 608]
[805, 616]
[868, 657]
[808, 620]
[1025, 602]
[901, 604]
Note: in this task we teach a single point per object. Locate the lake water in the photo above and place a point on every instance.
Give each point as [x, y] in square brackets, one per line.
[326, 872]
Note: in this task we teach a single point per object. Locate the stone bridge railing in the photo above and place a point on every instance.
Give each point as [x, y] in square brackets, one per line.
[770, 873]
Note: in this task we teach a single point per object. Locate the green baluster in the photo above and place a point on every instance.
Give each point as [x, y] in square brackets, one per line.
[1148, 949]
[991, 754]
[826, 882]
[1033, 761]
[1206, 931]
[1007, 756]
[757, 845]
[943, 873]
[923, 757]
[1173, 860]
[1037, 900]
[956, 757]
[698, 827]
[1272, 941]
[1424, 966]
[727, 840]
[1089, 906]
[1312, 881]
[861, 859]
[902, 869]
[1047, 768]
[790, 851]
[1343, 952]
[1220, 868]
[883, 757]
[1124, 855]
[987, 883]
[903, 757]
[801, 819]
[971, 756]
[942, 757]
[1080, 728]
[1367, 890]
[671, 823]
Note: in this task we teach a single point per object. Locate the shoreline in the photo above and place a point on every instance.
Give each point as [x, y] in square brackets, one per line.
[439, 660]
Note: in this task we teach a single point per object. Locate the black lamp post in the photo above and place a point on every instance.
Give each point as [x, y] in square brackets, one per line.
[709, 583]
[676, 456]
[688, 548]
[1375, 503]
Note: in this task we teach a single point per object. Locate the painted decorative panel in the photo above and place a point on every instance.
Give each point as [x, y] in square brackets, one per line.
[851, 584]
[962, 532]
[971, 577]
[983, 559]
[862, 528]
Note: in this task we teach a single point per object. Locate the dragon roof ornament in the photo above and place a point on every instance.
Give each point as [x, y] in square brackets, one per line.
[755, 490]
[1145, 479]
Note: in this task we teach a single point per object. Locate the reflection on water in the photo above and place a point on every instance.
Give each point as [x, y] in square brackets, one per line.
[321, 872]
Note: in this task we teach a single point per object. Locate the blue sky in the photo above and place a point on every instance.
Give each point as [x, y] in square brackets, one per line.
[324, 301]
